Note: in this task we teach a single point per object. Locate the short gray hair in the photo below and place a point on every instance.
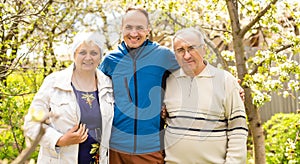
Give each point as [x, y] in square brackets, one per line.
[197, 32]
[81, 37]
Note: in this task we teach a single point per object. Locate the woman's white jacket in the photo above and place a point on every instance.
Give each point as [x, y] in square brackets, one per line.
[57, 98]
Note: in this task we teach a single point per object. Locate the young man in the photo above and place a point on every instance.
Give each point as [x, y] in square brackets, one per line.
[137, 69]
[207, 120]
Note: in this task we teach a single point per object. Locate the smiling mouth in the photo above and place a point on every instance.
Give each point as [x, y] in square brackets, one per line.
[88, 63]
[134, 39]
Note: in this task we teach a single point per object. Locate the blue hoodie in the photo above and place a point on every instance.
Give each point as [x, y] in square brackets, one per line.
[138, 77]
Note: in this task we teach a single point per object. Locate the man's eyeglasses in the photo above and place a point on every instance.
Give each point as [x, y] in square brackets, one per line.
[190, 49]
[137, 28]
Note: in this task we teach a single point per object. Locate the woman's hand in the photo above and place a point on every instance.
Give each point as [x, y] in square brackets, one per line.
[242, 92]
[164, 113]
[76, 135]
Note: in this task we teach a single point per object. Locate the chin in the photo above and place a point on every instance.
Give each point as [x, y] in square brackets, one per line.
[88, 68]
[189, 68]
[134, 45]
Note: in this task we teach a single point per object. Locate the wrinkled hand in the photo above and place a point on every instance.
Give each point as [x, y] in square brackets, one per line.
[164, 113]
[242, 92]
[76, 135]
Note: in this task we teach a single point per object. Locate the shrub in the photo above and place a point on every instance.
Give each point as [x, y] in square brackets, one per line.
[16, 96]
[282, 138]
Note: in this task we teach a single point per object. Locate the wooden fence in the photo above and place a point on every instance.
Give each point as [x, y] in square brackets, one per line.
[280, 105]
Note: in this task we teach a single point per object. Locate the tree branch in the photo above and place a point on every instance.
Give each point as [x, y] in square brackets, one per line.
[24, 155]
[276, 51]
[256, 19]
[233, 14]
[283, 48]
[217, 52]
[256, 68]
[18, 15]
[13, 132]
[175, 20]
[28, 151]
[215, 29]
[21, 94]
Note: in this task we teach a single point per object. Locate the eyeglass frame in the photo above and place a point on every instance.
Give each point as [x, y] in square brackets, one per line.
[190, 49]
[138, 28]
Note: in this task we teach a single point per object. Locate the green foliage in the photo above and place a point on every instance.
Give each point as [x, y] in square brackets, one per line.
[16, 97]
[275, 72]
[283, 138]
[39, 25]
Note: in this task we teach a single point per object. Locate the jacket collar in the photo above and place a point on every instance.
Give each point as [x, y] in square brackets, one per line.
[103, 81]
[143, 50]
[64, 79]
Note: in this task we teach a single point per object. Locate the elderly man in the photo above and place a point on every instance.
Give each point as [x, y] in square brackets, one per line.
[207, 121]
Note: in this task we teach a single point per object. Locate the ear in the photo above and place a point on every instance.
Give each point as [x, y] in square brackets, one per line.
[204, 47]
[148, 29]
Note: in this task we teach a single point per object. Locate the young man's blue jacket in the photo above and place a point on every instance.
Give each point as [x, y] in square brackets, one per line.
[138, 77]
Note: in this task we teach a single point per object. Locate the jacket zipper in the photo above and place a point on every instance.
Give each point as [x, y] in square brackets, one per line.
[134, 58]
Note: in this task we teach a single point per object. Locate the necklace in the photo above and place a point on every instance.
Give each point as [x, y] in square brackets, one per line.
[88, 97]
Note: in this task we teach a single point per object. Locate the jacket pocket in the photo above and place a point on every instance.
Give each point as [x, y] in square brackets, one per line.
[61, 109]
[127, 89]
[66, 111]
[59, 104]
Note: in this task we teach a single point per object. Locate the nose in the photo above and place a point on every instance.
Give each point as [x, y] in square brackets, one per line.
[133, 32]
[88, 56]
[186, 55]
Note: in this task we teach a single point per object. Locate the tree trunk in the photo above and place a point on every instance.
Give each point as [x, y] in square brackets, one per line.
[256, 129]
[252, 112]
[255, 125]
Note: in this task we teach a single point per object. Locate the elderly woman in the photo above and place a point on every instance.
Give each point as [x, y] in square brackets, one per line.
[82, 98]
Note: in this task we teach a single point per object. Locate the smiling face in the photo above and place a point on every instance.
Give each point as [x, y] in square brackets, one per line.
[87, 56]
[135, 28]
[189, 51]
